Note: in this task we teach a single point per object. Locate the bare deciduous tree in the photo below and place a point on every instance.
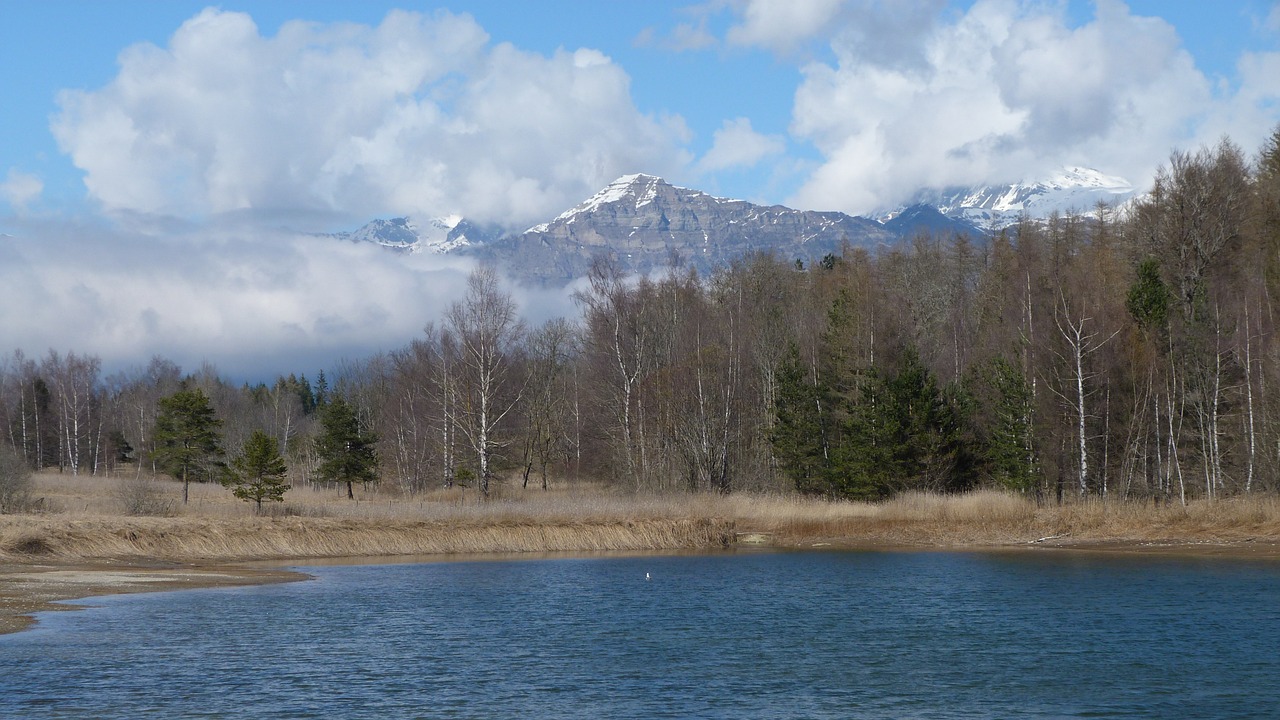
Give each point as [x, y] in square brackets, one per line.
[487, 330]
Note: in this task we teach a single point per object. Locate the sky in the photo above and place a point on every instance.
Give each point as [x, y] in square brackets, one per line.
[165, 164]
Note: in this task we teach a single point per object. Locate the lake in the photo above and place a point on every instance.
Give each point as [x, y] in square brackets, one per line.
[735, 635]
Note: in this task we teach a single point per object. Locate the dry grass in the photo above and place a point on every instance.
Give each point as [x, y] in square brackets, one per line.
[86, 519]
[208, 539]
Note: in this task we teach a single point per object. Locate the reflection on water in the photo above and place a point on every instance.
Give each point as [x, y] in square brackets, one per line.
[760, 635]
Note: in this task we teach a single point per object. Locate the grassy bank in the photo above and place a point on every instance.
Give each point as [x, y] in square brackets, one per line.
[83, 520]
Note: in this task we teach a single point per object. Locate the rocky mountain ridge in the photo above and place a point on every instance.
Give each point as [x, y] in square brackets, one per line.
[644, 224]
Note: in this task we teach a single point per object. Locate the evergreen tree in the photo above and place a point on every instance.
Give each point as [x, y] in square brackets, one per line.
[1148, 299]
[187, 436]
[1010, 447]
[320, 395]
[257, 473]
[345, 447]
[797, 433]
[302, 388]
[862, 458]
[905, 434]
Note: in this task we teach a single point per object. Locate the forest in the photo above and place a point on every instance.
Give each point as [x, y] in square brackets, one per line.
[1124, 352]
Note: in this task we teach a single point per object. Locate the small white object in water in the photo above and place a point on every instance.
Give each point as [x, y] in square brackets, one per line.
[646, 576]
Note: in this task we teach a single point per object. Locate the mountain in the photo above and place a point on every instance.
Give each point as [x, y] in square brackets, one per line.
[926, 219]
[646, 223]
[994, 207]
[434, 235]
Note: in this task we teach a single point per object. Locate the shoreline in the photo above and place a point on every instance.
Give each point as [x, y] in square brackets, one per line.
[50, 558]
[27, 588]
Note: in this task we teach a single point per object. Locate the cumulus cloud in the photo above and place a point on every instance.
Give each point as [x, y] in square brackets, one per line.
[1006, 91]
[421, 114]
[736, 145]
[20, 189]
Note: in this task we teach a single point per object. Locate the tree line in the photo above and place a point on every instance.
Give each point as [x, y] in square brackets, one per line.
[1125, 352]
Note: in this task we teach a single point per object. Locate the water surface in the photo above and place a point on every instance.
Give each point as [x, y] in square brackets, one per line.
[745, 635]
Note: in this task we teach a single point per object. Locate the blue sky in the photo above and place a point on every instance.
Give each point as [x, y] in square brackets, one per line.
[149, 132]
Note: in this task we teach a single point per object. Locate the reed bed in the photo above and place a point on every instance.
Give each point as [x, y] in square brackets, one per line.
[84, 518]
[187, 539]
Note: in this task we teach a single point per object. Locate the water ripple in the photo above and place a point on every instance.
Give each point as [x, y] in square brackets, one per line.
[813, 635]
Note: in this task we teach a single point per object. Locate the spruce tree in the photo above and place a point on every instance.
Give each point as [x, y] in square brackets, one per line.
[1010, 447]
[797, 432]
[906, 433]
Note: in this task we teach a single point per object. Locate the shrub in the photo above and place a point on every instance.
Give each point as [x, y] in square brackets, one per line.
[15, 483]
[144, 496]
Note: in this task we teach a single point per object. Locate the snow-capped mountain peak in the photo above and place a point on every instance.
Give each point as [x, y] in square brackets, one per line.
[993, 207]
[635, 191]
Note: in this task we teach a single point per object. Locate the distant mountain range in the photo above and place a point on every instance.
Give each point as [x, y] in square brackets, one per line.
[645, 223]
[434, 235]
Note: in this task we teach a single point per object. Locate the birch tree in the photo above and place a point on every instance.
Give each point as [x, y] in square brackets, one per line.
[619, 342]
[1079, 333]
[487, 331]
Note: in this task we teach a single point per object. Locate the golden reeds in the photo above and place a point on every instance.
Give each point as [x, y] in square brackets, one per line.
[86, 519]
[208, 539]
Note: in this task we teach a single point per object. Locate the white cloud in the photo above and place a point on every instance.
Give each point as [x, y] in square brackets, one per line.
[887, 33]
[420, 114]
[1008, 90]
[1251, 114]
[736, 146]
[781, 25]
[252, 303]
[20, 189]
[684, 37]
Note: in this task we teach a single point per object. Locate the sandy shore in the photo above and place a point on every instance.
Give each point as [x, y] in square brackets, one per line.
[27, 589]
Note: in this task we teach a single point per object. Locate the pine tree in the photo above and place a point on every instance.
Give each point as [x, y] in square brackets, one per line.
[187, 437]
[345, 448]
[257, 473]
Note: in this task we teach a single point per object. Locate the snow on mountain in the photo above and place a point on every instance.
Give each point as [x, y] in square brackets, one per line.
[433, 235]
[993, 207]
[647, 224]
[637, 190]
